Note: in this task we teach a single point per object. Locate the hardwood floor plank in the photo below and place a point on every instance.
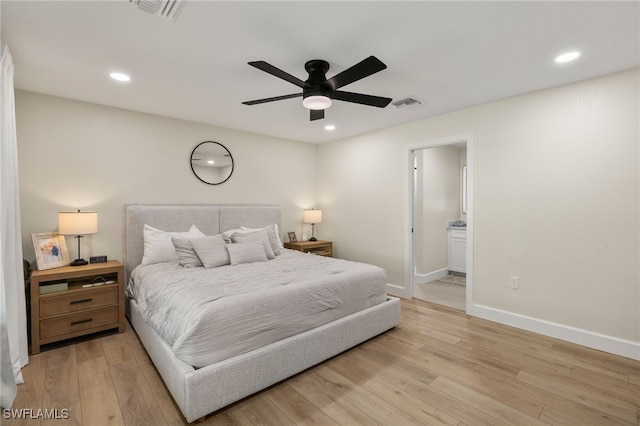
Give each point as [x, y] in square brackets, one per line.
[403, 401]
[116, 350]
[136, 398]
[296, 407]
[340, 410]
[98, 397]
[483, 403]
[230, 417]
[598, 358]
[89, 349]
[444, 403]
[555, 415]
[578, 393]
[364, 400]
[615, 388]
[260, 411]
[61, 385]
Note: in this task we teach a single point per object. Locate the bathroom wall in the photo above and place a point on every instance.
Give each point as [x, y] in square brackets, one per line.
[438, 196]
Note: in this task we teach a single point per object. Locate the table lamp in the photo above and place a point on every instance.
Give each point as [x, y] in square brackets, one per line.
[79, 224]
[312, 216]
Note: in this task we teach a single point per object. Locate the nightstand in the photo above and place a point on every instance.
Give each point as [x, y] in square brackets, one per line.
[77, 310]
[321, 248]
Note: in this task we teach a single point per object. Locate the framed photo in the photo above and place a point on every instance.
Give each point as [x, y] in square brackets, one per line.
[292, 237]
[51, 250]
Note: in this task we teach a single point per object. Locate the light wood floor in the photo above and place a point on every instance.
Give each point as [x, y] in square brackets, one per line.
[437, 367]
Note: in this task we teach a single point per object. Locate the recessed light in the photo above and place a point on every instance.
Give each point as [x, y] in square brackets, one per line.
[120, 76]
[211, 162]
[567, 57]
[330, 127]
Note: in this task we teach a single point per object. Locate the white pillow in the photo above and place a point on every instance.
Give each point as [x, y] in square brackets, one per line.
[158, 247]
[211, 250]
[246, 253]
[249, 237]
[274, 236]
[227, 234]
[185, 252]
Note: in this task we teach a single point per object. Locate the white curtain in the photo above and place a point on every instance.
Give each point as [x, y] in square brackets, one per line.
[13, 317]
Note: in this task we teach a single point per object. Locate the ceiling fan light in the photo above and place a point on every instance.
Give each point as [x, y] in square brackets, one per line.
[317, 102]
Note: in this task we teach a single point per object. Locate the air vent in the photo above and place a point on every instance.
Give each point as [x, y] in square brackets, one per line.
[168, 9]
[408, 102]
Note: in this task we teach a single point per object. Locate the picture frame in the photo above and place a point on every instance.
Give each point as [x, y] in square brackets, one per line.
[51, 250]
[292, 237]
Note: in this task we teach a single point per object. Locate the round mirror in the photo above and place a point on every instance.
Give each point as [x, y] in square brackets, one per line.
[211, 162]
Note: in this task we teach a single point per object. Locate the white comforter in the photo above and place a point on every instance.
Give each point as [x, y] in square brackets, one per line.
[208, 315]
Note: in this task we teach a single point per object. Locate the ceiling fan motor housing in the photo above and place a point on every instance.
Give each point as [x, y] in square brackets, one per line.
[317, 84]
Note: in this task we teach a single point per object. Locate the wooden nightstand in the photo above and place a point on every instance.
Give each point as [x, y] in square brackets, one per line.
[78, 310]
[321, 248]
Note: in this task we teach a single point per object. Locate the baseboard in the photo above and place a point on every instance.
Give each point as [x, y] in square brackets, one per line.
[398, 291]
[625, 348]
[431, 276]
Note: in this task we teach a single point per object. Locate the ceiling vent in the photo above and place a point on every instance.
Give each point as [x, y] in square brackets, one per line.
[408, 102]
[168, 9]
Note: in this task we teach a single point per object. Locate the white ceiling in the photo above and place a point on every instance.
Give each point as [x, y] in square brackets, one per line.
[450, 54]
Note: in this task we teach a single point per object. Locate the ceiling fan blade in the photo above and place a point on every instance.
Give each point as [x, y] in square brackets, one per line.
[359, 98]
[262, 65]
[316, 114]
[362, 69]
[275, 98]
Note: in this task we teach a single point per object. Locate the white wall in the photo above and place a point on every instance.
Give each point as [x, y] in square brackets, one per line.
[556, 202]
[80, 155]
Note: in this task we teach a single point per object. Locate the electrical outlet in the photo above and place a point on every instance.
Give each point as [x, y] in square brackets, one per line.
[514, 283]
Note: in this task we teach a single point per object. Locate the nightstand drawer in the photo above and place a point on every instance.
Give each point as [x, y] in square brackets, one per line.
[319, 247]
[79, 301]
[72, 323]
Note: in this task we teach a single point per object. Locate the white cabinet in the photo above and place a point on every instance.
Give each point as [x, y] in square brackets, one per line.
[458, 250]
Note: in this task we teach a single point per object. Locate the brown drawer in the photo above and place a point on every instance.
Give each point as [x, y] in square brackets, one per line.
[77, 322]
[78, 301]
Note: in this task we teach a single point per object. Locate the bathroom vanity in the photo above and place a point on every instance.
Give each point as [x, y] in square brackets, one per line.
[457, 248]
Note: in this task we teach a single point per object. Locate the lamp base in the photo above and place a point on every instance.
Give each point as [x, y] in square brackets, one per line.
[313, 239]
[78, 262]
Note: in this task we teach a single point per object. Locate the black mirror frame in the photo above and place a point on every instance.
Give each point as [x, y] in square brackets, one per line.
[196, 174]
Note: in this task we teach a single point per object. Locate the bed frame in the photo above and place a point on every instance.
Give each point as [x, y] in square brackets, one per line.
[199, 392]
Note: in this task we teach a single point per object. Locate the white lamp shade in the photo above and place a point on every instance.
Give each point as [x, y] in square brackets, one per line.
[312, 216]
[77, 223]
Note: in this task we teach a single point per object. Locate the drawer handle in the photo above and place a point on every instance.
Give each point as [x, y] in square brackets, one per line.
[82, 321]
[73, 302]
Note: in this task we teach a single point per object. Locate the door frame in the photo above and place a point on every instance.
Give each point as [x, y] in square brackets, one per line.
[409, 201]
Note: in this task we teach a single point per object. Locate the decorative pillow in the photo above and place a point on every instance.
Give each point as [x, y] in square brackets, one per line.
[227, 234]
[274, 236]
[185, 252]
[211, 250]
[249, 237]
[158, 247]
[247, 253]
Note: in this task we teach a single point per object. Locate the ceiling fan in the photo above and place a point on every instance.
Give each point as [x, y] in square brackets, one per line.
[318, 91]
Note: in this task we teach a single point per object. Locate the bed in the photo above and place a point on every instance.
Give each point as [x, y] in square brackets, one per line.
[226, 377]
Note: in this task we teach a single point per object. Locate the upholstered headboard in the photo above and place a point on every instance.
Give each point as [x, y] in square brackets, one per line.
[208, 218]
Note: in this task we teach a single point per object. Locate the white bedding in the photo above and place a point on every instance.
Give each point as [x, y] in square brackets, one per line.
[208, 315]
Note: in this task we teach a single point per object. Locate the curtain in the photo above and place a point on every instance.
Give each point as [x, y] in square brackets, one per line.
[13, 317]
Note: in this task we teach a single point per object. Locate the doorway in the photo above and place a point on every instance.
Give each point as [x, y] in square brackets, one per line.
[439, 211]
